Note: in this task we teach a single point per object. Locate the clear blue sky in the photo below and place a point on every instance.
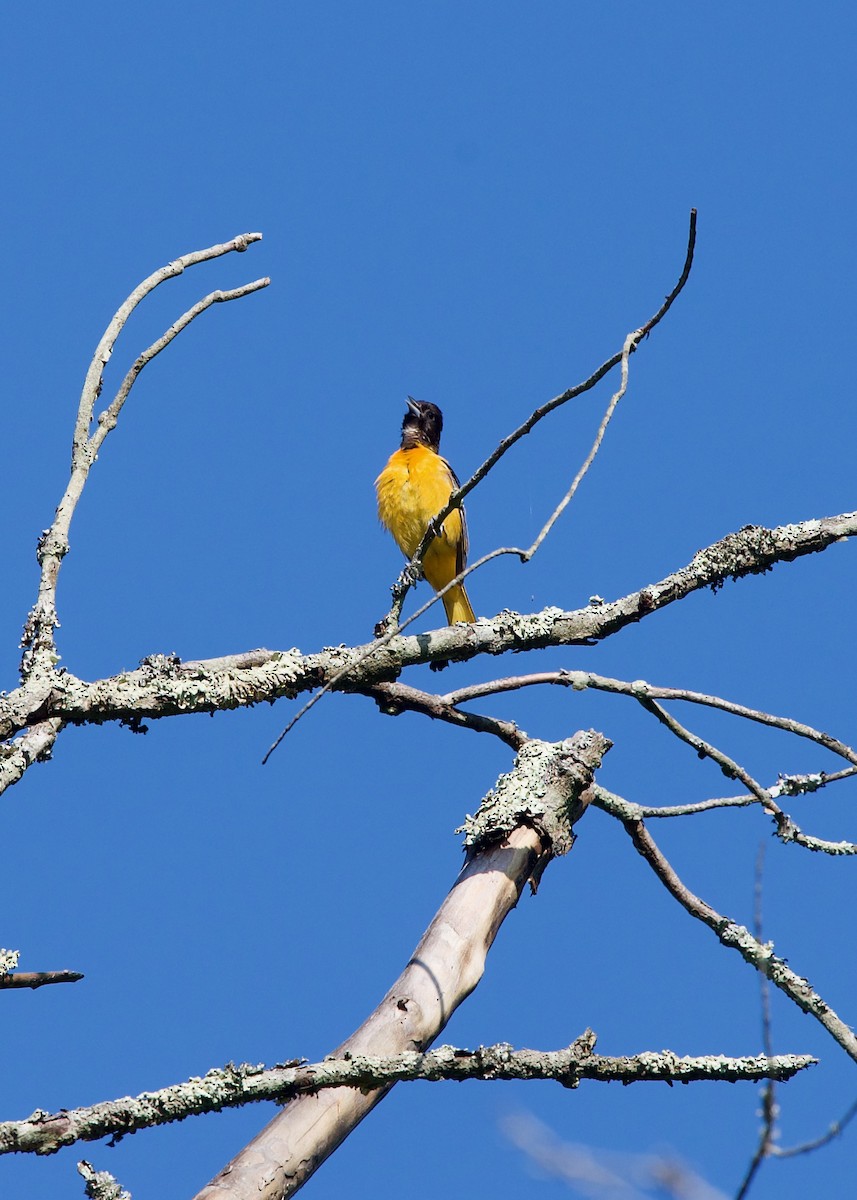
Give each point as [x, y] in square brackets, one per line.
[472, 203]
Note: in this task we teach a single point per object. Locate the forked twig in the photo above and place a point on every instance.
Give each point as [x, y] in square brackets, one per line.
[38, 639]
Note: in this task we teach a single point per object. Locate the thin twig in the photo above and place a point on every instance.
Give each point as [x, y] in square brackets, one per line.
[835, 1130]
[786, 829]
[394, 698]
[103, 351]
[639, 689]
[107, 419]
[412, 570]
[769, 1105]
[631, 343]
[786, 785]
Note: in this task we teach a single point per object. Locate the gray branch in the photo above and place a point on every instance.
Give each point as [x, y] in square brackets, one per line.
[164, 686]
[40, 658]
[759, 955]
[100, 1185]
[233, 1086]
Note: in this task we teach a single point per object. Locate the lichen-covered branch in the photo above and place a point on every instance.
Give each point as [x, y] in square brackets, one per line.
[164, 686]
[100, 1185]
[232, 1086]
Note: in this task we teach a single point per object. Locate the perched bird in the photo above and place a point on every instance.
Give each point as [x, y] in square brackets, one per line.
[413, 487]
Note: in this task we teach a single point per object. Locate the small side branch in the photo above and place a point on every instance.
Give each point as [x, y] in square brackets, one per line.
[100, 1185]
[37, 979]
[395, 698]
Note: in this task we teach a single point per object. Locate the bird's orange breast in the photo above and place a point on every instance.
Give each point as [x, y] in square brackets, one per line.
[413, 487]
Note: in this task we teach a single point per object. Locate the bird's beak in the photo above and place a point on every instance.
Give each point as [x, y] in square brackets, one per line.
[413, 406]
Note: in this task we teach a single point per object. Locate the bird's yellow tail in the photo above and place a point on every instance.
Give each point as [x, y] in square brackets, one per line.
[457, 605]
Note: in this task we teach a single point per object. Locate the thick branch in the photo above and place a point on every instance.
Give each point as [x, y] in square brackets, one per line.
[165, 687]
[444, 969]
[232, 1086]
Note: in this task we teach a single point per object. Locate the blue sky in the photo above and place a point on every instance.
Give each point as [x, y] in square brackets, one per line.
[472, 203]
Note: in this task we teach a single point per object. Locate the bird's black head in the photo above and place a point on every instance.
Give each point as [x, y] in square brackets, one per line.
[422, 425]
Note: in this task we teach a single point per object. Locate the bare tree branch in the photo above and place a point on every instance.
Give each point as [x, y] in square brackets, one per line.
[786, 829]
[836, 1129]
[38, 639]
[166, 687]
[37, 979]
[640, 690]
[100, 1185]
[35, 746]
[232, 1086]
[786, 785]
[394, 698]
[734, 936]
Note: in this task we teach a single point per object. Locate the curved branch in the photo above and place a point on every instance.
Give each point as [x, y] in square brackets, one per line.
[759, 955]
[394, 698]
[38, 638]
[632, 342]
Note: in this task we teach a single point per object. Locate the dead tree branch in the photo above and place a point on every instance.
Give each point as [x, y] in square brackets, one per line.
[37, 979]
[166, 687]
[732, 935]
[40, 655]
[233, 1086]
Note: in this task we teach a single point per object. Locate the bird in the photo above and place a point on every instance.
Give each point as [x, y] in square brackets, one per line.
[413, 487]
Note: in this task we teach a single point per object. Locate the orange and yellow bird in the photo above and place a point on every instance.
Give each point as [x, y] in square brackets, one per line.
[413, 487]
